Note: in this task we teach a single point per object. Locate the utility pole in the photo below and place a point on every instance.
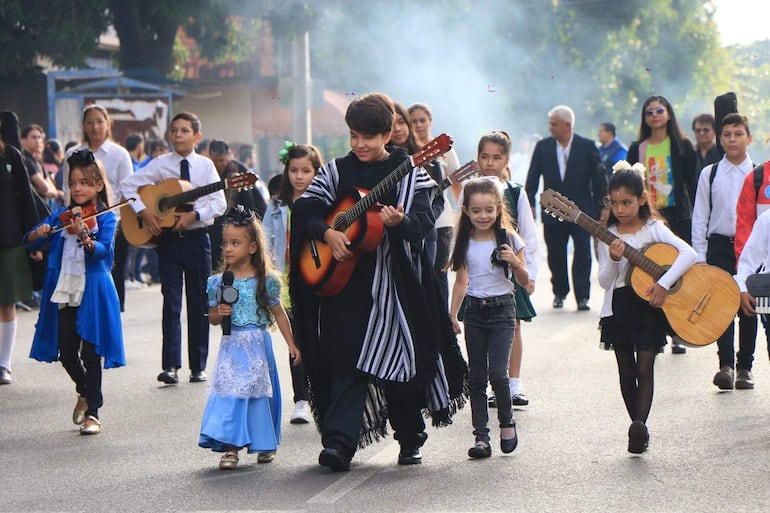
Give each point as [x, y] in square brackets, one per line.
[300, 120]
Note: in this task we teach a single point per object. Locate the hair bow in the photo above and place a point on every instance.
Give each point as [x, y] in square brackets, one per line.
[82, 158]
[283, 155]
[239, 216]
[638, 168]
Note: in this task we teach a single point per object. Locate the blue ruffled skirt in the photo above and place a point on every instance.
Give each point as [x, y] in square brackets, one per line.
[236, 420]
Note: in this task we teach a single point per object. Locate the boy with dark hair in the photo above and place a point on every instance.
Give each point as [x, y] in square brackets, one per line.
[713, 236]
[184, 252]
[611, 149]
[381, 348]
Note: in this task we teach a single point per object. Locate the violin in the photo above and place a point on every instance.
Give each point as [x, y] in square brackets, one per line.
[72, 219]
[79, 221]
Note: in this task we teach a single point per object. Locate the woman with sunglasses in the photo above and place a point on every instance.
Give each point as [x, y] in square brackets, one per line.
[97, 137]
[668, 154]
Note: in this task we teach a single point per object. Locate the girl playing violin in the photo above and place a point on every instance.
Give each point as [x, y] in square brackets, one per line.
[79, 320]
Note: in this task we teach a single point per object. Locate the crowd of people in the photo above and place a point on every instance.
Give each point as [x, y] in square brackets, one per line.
[357, 283]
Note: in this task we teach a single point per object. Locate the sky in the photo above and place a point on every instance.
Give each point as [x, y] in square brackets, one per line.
[742, 21]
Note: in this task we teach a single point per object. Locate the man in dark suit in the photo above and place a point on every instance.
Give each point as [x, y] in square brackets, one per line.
[569, 164]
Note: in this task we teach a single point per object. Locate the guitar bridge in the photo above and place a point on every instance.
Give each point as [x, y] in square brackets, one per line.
[697, 311]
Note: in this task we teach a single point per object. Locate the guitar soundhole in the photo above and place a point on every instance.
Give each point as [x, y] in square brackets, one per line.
[677, 284]
[162, 205]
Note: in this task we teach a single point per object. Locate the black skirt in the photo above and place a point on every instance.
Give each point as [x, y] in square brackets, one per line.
[634, 323]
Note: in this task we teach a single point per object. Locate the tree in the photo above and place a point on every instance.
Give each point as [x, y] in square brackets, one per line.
[55, 29]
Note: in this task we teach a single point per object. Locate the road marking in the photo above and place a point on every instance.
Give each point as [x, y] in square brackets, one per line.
[356, 477]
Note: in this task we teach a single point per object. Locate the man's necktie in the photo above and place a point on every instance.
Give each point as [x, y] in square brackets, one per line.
[185, 170]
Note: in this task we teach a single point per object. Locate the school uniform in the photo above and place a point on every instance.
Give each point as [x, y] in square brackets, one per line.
[626, 319]
[713, 238]
[183, 256]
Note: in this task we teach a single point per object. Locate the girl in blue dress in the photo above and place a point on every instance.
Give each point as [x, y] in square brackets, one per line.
[244, 404]
[79, 321]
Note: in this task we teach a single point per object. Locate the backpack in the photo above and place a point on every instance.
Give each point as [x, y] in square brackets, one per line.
[759, 172]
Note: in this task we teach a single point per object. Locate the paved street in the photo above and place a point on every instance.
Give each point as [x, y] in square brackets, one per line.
[709, 452]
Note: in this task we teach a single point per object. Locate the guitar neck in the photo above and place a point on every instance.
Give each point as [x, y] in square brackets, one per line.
[192, 195]
[373, 195]
[634, 256]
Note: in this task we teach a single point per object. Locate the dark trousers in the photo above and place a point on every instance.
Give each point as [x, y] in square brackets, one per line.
[119, 265]
[80, 360]
[443, 245]
[185, 258]
[343, 420]
[721, 253]
[297, 371]
[556, 238]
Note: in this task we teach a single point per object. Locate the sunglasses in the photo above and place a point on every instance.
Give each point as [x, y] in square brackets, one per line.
[702, 130]
[81, 158]
[239, 216]
[659, 111]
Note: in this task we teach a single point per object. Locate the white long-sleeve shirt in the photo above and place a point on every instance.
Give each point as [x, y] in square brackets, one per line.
[612, 274]
[715, 203]
[755, 252]
[202, 172]
[117, 165]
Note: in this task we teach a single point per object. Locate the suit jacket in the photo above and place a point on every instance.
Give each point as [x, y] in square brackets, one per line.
[584, 180]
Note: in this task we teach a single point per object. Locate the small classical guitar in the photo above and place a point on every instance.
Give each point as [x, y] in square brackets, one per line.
[356, 214]
[168, 197]
[702, 302]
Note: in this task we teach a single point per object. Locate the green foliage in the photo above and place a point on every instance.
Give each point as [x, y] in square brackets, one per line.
[65, 31]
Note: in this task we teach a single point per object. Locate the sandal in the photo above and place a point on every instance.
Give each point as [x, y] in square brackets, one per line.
[266, 457]
[229, 460]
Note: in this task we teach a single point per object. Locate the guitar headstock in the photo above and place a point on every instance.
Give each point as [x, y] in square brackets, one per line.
[559, 206]
[434, 148]
[241, 181]
[464, 172]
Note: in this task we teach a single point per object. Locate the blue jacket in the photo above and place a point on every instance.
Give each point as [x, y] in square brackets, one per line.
[611, 154]
[98, 320]
[275, 223]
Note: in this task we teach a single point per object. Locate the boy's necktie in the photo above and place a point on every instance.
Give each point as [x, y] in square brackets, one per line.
[185, 169]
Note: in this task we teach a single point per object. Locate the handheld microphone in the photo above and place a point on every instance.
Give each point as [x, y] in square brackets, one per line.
[228, 295]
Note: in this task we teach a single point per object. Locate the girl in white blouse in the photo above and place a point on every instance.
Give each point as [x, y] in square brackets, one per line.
[635, 327]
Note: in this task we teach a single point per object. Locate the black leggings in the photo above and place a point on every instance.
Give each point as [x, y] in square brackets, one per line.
[72, 351]
[637, 379]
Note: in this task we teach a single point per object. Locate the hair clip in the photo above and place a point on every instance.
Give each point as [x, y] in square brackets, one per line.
[622, 165]
[283, 155]
[239, 216]
[81, 158]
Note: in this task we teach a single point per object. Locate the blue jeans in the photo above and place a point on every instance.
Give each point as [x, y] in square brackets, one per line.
[489, 327]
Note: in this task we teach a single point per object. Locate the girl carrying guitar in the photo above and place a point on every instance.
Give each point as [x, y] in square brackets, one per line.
[634, 328]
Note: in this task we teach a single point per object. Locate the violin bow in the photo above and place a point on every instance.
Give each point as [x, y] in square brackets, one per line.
[122, 203]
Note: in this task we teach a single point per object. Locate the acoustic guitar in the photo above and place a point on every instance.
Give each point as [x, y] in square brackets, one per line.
[168, 197]
[702, 302]
[356, 214]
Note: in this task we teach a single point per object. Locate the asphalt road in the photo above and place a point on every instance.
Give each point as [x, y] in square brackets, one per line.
[709, 452]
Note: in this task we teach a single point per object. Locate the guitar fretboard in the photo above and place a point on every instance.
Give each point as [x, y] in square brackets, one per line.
[634, 256]
[373, 195]
[188, 196]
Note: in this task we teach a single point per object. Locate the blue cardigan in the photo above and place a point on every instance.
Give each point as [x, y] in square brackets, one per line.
[98, 320]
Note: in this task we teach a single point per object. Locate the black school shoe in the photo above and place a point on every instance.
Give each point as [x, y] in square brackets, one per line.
[509, 445]
[169, 376]
[335, 457]
[480, 450]
[638, 437]
[410, 451]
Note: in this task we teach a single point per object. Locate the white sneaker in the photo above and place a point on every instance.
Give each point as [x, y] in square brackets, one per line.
[301, 413]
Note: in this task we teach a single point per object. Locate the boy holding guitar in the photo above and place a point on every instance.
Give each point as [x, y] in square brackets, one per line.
[184, 251]
[377, 346]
